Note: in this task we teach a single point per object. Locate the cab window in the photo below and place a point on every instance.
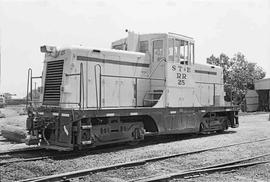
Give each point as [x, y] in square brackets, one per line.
[171, 52]
[192, 53]
[143, 46]
[180, 51]
[157, 50]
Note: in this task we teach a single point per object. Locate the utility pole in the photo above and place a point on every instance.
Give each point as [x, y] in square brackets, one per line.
[0, 63]
[0, 59]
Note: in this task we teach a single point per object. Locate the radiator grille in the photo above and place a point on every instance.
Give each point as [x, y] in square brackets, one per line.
[53, 82]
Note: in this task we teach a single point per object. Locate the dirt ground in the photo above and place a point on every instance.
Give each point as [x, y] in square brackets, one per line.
[13, 117]
[252, 126]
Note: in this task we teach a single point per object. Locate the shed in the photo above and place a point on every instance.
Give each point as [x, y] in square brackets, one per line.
[263, 89]
[252, 99]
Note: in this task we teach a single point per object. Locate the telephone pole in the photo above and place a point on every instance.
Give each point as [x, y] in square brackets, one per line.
[0, 62]
[0, 59]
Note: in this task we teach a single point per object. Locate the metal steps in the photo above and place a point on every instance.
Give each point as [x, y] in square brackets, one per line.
[152, 97]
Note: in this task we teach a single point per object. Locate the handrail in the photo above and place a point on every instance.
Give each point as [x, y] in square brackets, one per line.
[162, 59]
[54, 102]
[27, 89]
[134, 77]
[81, 90]
[30, 85]
[95, 69]
[98, 93]
[215, 89]
[209, 83]
[72, 74]
[30, 79]
[79, 103]
[81, 86]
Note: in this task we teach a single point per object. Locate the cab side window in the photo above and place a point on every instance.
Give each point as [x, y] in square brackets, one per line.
[157, 50]
[143, 46]
[192, 53]
[180, 51]
[184, 52]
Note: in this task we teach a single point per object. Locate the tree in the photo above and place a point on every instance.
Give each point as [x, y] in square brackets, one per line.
[238, 74]
[222, 61]
[226, 63]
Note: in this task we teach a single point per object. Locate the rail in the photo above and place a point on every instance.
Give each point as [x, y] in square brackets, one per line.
[84, 172]
[154, 70]
[81, 88]
[100, 75]
[30, 84]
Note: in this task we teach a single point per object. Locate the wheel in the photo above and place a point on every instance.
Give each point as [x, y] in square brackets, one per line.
[201, 128]
[136, 135]
[133, 143]
[224, 127]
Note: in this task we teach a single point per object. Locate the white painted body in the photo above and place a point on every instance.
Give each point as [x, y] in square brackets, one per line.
[196, 87]
[199, 85]
[116, 92]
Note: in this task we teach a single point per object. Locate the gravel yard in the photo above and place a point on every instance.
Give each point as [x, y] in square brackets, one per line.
[251, 127]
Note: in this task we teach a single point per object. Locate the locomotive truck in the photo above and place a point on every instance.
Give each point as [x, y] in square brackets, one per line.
[147, 84]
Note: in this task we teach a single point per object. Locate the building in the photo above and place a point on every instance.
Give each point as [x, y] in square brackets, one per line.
[263, 89]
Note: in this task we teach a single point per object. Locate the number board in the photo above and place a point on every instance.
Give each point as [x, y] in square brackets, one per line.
[179, 75]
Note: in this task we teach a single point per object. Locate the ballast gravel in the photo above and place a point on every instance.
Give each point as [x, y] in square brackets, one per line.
[252, 127]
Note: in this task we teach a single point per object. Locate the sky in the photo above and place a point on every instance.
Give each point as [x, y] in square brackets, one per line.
[218, 26]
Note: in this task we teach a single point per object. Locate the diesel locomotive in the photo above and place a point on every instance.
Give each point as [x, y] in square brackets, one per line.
[146, 84]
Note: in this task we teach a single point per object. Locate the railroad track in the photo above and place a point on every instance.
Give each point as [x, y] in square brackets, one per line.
[222, 166]
[16, 151]
[207, 169]
[147, 141]
[153, 140]
[20, 155]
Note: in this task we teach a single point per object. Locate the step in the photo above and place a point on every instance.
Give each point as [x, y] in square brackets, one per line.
[151, 100]
[155, 93]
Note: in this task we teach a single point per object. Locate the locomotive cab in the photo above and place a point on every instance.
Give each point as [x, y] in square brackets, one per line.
[171, 57]
[161, 49]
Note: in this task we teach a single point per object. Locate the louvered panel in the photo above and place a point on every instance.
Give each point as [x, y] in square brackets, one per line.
[53, 82]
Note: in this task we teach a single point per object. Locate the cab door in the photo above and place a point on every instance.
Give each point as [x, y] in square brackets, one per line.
[157, 68]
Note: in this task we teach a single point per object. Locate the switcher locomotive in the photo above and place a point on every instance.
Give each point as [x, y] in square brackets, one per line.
[147, 84]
